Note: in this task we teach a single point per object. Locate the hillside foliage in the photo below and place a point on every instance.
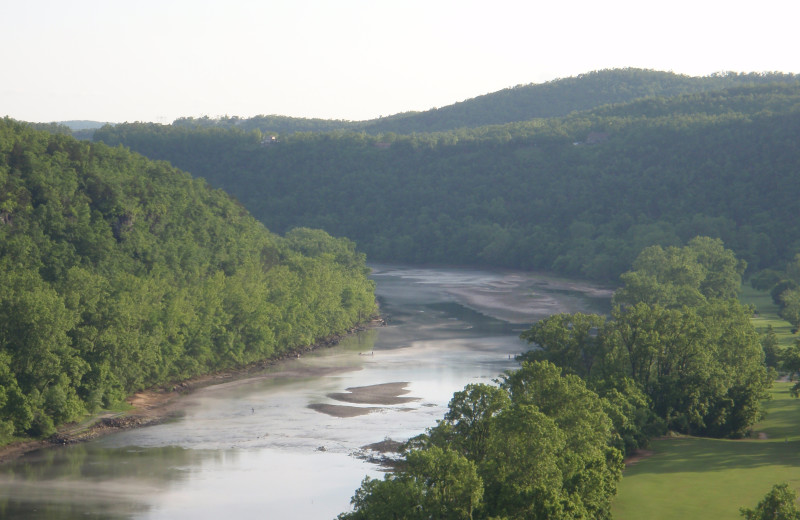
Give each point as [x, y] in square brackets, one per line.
[556, 98]
[118, 273]
[580, 195]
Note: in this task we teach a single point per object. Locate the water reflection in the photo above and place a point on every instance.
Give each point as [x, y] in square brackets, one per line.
[262, 448]
[68, 482]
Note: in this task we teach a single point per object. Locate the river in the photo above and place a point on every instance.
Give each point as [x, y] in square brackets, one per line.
[284, 444]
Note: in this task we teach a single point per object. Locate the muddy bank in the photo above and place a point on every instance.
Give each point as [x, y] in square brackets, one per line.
[386, 454]
[523, 298]
[161, 403]
[344, 412]
[518, 297]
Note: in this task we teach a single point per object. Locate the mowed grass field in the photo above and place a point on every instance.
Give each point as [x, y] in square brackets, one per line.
[767, 314]
[691, 478]
[695, 478]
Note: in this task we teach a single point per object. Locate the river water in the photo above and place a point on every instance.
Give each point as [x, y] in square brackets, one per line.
[284, 444]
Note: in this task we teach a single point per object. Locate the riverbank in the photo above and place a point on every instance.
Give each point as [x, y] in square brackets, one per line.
[162, 402]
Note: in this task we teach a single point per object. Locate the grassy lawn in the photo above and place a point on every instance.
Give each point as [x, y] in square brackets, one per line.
[693, 478]
[690, 478]
[767, 314]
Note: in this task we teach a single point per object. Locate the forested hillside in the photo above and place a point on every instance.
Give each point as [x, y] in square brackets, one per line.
[581, 194]
[117, 272]
[560, 97]
[555, 98]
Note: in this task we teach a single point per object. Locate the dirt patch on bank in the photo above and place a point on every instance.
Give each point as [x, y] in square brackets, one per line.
[638, 456]
[148, 401]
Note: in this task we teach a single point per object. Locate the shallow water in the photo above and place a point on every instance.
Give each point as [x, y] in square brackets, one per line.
[255, 449]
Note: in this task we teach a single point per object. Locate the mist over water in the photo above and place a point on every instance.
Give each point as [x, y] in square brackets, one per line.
[282, 444]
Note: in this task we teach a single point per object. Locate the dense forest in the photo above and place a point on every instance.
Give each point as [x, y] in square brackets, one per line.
[581, 194]
[679, 353]
[118, 272]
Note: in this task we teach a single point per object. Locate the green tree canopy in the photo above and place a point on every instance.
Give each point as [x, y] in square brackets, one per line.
[538, 446]
[779, 504]
[681, 339]
[682, 276]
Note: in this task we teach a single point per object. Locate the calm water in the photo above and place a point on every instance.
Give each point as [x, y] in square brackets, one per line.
[255, 449]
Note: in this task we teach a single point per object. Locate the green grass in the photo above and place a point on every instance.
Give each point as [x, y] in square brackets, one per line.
[767, 314]
[694, 478]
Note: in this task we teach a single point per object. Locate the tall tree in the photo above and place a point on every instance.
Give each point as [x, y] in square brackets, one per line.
[571, 341]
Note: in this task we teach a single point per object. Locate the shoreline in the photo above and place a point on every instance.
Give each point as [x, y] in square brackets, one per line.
[160, 403]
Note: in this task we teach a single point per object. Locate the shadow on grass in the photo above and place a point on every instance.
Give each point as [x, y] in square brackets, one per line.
[697, 455]
[781, 424]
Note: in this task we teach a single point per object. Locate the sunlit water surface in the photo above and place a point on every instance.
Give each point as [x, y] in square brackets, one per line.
[255, 449]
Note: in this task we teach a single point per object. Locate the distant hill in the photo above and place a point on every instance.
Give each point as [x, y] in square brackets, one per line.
[581, 194]
[82, 124]
[555, 98]
[562, 96]
[269, 124]
[83, 130]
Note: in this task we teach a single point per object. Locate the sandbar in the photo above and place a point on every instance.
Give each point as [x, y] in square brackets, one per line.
[383, 394]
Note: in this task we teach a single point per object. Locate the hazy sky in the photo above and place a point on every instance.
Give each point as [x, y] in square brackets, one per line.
[144, 60]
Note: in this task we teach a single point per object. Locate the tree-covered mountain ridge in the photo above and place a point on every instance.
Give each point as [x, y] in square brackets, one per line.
[118, 273]
[556, 98]
[580, 194]
[560, 97]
